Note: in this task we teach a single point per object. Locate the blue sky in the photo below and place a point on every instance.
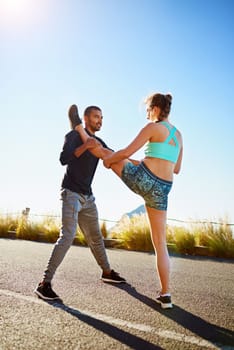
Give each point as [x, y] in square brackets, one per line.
[114, 53]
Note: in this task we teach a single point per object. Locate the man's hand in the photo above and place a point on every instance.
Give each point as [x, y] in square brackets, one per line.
[92, 143]
[106, 162]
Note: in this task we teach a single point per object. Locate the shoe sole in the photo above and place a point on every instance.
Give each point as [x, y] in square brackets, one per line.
[111, 281]
[43, 297]
[73, 111]
[164, 305]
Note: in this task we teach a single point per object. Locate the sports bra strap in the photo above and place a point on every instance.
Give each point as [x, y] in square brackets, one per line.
[166, 124]
[171, 134]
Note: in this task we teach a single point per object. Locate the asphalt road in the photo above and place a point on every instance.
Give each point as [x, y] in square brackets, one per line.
[97, 315]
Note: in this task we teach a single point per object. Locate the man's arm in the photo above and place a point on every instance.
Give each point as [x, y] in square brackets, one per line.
[72, 140]
[74, 147]
[90, 143]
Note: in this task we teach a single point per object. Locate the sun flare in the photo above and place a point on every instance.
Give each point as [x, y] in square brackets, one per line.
[21, 12]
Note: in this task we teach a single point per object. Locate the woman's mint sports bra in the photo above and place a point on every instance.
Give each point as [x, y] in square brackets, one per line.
[164, 150]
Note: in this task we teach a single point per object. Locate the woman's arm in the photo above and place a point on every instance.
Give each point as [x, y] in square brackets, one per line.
[139, 141]
[179, 160]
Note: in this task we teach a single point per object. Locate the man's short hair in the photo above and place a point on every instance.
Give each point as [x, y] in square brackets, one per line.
[89, 109]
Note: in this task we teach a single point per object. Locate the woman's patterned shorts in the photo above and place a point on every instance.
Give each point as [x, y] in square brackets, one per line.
[143, 182]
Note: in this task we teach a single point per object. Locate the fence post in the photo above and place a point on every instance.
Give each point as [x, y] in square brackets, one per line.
[25, 214]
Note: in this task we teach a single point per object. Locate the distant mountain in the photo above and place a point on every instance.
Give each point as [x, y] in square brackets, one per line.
[139, 210]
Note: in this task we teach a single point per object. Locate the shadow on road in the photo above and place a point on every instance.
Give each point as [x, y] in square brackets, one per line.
[124, 337]
[202, 258]
[204, 329]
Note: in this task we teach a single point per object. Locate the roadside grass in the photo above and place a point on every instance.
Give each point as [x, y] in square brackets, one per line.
[184, 240]
[7, 223]
[218, 238]
[132, 234]
[46, 230]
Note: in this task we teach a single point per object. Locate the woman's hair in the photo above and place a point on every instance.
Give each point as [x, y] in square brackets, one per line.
[161, 101]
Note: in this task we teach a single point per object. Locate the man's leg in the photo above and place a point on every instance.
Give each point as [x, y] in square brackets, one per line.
[89, 224]
[70, 208]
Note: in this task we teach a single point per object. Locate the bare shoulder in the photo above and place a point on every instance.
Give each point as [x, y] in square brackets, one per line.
[149, 127]
[152, 126]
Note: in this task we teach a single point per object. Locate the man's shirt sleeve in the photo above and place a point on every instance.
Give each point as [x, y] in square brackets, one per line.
[71, 142]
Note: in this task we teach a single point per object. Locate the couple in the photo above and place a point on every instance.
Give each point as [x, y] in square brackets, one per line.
[151, 178]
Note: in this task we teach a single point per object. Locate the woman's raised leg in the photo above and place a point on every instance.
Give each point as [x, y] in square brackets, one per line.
[100, 151]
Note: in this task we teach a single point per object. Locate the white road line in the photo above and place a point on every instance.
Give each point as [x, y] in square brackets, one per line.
[119, 322]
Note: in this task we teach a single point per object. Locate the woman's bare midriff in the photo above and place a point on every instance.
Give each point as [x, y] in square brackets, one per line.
[160, 167]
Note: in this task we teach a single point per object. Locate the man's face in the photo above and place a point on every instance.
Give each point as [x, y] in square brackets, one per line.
[93, 122]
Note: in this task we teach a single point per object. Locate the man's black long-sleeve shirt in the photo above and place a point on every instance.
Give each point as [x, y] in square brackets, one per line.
[80, 171]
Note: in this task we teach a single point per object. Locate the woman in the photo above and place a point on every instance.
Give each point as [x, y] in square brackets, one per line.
[152, 177]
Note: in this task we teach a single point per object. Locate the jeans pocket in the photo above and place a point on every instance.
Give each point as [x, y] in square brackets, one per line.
[70, 204]
[70, 209]
[63, 194]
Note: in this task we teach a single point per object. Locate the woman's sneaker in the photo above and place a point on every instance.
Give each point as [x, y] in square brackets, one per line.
[165, 301]
[44, 291]
[112, 277]
[74, 116]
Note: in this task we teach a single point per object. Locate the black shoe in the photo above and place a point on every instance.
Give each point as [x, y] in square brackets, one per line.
[165, 301]
[74, 116]
[45, 291]
[112, 277]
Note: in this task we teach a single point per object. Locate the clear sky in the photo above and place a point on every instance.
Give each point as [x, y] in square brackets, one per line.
[113, 53]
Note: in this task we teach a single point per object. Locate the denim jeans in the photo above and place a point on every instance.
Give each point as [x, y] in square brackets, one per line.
[78, 209]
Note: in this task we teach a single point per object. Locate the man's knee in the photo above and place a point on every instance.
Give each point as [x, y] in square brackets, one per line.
[66, 237]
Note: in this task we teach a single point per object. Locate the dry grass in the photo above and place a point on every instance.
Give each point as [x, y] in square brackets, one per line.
[134, 234]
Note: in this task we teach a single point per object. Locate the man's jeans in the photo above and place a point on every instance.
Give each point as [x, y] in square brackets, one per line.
[77, 209]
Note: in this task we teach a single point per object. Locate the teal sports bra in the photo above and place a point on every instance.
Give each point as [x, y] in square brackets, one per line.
[164, 150]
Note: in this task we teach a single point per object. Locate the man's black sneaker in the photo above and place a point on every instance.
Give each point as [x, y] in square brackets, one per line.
[112, 277]
[45, 291]
[165, 301]
[74, 116]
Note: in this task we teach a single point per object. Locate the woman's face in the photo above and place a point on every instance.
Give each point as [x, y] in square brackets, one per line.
[152, 113]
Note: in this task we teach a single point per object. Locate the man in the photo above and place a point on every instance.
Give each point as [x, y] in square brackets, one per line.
[78, 202]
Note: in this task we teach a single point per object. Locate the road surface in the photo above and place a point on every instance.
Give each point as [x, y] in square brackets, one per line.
[97, 315]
